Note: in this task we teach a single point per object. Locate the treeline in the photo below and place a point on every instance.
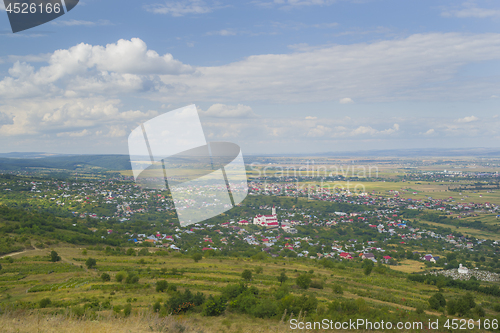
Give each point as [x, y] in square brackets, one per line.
[443, 281]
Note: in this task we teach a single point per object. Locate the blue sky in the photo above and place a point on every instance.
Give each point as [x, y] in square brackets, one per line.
[282, 76]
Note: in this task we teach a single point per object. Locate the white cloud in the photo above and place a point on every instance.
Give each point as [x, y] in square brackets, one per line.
[311, 118]
[223, 32]
[468, 119]
[429, 132]
[470, 9]
[346, 100]
[180, 8]
[389, 70]
[68, 117]
[119, 67]
[228, 111]
[73, 22]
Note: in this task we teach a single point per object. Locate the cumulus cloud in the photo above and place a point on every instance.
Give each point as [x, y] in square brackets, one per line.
[69, 117]
[114, 68]
[346, 100]
[229, 111]
[311, 118]
[180, 8]
[468, 119]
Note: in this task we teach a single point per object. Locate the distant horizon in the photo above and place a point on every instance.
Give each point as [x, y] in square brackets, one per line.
[472, 151]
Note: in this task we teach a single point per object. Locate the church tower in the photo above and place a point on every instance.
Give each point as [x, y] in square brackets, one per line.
[274, 211]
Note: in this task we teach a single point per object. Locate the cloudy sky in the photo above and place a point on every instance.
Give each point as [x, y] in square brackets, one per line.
[282, 76]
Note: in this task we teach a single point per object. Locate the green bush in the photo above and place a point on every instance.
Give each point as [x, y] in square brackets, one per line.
[197, 257]
[54, 256]
[247, 275]
[316, 284]
[156, 306]
[296, 304]
[131, 278]
[182, 302]
[127, 310]
[44, 302]
[265, 309]
[337, 289]
[105, 277]
[303, 281]
[120, 276]
[436, 301]
[90, 263]
[161, 285]
[214, 306]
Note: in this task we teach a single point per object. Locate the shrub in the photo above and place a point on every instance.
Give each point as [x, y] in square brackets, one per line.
[44, 302]
[259, 270]
[197, 257]
[316, 284]
[130, 252]
[54, 256]
[214, 306]
[161, 285]
[131, 278]
[265, 309]
[182, 302]
[232, 291]
[120, 276]
[303, 281]
[337, 289]
[90, 263]
[127, 310]
[419, 309]
[436, 301]
[296, 304]
[479, 311]
[172, 288]
[282, 278]
[156, 306]
[105, 277]
[247, 275]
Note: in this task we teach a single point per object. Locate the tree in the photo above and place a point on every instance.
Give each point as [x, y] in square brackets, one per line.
[120, 276]
[247, 275]
[282, 278]
[54, 257]
[197, 257]
[0, 266]
[161, 285]
[259, 270]
[105, 277]
[368, 269]
[303, 281]
[90, 263]
[437, 301]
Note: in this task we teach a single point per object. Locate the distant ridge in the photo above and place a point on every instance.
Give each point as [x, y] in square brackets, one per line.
[416, 152]
[67, 162]
[17, 160]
